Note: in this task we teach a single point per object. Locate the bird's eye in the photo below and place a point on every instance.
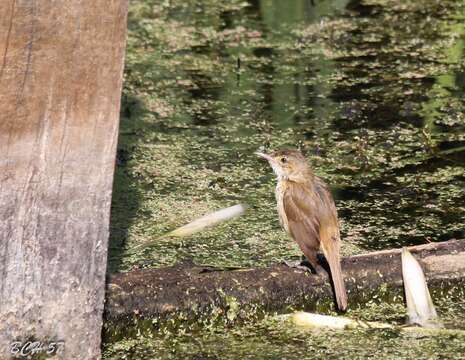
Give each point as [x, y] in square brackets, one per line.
[283, 160]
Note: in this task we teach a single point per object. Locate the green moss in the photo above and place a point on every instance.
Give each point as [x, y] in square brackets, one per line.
[270, 338]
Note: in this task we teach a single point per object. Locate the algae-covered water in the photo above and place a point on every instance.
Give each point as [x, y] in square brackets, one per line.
[272, 339]
[371, 91]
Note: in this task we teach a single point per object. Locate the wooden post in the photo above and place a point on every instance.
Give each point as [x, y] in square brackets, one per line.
[61, 65]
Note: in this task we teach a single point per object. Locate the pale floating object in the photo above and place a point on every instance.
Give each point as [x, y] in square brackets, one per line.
[200, 224]
[318, 321]
[310, 321]
[420, 307]
[209, 220]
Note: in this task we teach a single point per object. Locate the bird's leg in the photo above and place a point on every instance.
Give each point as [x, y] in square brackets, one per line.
[312, 259]
[298, 264]
[305, 264]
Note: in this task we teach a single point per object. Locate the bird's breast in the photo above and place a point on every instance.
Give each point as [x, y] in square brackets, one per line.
[279, 193]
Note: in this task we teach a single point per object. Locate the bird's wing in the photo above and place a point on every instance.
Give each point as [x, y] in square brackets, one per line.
[330, 240]
[311, 214]
[329, 226]
[312, 218]
[302, 216]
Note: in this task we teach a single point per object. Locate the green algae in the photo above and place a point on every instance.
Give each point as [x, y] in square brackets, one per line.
[270, 338]
[377, 108]
[371, 91]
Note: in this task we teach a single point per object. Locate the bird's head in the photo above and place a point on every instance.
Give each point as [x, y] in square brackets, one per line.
[288, 165]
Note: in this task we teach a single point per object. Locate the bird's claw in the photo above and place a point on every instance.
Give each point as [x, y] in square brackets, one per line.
[297, 264]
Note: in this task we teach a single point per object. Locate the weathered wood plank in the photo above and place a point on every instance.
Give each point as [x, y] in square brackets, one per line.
[61, 66]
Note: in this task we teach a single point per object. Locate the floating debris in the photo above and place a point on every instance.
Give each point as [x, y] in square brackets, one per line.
[313, 321]
[209, 220]
[200, 224]
[317, 321]
[420, 307]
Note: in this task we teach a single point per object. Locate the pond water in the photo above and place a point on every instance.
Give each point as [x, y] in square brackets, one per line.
[371, 91]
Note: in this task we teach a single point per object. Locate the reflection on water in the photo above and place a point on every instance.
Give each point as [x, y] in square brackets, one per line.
[371, 92]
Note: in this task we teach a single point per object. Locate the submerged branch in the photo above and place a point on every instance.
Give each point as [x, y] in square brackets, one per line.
[191, 292]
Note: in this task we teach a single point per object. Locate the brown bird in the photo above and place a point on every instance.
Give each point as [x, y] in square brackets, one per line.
[307, 212]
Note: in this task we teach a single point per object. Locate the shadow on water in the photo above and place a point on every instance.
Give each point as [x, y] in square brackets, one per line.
[126, 196]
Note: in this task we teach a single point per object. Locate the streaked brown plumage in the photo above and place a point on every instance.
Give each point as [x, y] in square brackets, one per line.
[307, 212]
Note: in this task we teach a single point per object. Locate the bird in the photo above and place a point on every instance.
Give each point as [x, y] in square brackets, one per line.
[307, 212]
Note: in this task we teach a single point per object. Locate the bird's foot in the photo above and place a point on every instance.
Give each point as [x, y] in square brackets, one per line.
[307, 266]
[299, 264]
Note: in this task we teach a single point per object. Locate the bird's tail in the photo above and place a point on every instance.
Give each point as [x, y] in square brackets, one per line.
[338, 281]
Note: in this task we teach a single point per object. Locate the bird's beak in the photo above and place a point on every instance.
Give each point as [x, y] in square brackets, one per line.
[265, 156]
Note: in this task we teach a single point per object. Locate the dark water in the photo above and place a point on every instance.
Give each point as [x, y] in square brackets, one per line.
[371, 91]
